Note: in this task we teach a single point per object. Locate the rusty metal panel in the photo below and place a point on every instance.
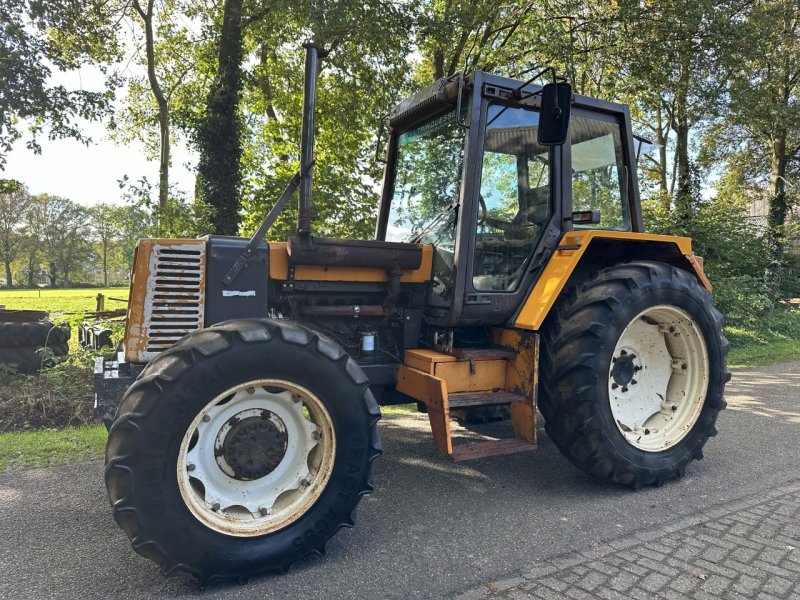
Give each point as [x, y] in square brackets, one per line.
[167, 296]
[522, 373]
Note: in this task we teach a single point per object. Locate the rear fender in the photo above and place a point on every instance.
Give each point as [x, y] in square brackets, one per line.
[580, 253]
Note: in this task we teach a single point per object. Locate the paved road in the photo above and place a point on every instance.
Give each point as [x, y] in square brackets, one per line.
[432, 528]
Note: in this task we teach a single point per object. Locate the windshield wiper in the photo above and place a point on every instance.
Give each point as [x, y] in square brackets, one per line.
[435, 221]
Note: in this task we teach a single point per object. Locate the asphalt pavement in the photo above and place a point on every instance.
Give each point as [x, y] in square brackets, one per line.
[431, 529]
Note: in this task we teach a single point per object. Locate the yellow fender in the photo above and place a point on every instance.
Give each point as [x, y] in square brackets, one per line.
[575, 245]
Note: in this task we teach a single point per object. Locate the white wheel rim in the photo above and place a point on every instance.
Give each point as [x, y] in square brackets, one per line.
[658, 378]
[288, 431]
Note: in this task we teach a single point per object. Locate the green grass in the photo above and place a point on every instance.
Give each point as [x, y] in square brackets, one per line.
[765, 342]
[399, 409]
[47, 447]
[60, 301]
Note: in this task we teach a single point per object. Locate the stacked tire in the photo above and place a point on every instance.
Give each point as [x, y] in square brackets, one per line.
[20, 344]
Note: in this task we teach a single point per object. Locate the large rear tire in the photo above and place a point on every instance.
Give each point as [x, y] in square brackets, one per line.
[633, 373]
[241, 450]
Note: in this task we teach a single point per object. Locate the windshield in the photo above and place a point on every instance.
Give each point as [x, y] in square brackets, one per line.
[427, 183]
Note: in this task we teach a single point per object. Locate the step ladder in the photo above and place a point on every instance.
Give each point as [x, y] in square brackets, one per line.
[503, 374]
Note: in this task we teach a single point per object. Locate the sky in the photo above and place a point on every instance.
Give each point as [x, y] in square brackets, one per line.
[89, 174]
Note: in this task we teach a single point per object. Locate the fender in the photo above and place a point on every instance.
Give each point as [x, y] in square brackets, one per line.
[581, 252]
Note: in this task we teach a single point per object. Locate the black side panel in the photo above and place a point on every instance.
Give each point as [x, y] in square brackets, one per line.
[247, 294]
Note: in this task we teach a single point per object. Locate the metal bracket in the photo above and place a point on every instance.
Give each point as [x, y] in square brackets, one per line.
[250, 250]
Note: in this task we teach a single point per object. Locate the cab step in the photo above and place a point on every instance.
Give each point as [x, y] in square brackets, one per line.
[475, 450]
[476, 377]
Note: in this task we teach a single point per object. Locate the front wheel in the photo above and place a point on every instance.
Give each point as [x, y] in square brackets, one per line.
[633, 373]
[241, 450]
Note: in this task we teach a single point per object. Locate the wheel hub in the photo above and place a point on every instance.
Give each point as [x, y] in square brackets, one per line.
[624, 368]
[255, 446]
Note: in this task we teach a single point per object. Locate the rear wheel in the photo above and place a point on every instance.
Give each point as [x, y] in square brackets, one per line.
[633, 373]
[241, 450]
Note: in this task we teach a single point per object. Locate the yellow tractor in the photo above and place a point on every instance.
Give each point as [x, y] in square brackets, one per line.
[510, 268]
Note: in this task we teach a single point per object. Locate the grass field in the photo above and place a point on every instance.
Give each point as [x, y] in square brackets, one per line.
[62, 301]
[48, 447]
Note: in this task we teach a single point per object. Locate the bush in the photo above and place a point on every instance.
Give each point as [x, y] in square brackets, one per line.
[733, 245]
[57, 397]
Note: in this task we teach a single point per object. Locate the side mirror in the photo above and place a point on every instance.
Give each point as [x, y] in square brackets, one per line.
[554, 118]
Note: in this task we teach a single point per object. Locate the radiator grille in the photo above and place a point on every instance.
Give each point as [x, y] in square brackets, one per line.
[174, 304]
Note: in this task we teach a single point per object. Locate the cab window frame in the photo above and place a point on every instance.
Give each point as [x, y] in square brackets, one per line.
[631, 192]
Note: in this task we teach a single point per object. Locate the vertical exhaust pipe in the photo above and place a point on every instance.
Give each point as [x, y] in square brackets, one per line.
[307, 140]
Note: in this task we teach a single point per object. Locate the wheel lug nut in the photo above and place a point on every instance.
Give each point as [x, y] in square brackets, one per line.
[305, 483]
[264, 511]
[634, 382]
[206, 418]
[251, 390]
[215, 506]
[190, 467]
[614, 386]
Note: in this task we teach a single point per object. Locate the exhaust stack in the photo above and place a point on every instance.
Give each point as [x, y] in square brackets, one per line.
[307, 140]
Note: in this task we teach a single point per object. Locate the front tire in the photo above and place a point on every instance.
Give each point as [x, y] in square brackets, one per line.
[633, 373]
[241, 450]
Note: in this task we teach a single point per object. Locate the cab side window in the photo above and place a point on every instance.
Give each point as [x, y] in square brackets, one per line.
[599, 177]
[514, 203]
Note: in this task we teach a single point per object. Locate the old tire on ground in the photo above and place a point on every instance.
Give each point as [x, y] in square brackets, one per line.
[633, 373]
[241, 450]
[43, 333]
[26, 359]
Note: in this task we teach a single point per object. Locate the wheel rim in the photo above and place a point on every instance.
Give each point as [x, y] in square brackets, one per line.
[256, 458]
[658, 378]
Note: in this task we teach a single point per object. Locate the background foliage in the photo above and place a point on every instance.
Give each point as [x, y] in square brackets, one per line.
[714, 83]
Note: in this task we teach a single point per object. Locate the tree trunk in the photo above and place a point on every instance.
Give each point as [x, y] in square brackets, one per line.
[31, 266]
[681, 127]
[220, 135]
[438, 63]
[661, 140]
[105, 264]
[161, 101]
[9, 283]
[778, 209]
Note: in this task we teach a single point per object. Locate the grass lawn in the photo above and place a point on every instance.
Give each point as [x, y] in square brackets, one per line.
[60, 301]
[766, 342]
[47, 447]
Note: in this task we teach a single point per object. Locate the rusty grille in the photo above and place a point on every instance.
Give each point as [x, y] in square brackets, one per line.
[174, 304]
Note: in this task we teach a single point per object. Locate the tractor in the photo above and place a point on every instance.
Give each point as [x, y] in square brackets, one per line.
[510, 268]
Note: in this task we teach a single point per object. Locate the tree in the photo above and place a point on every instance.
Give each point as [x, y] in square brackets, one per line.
[219, 132]
[64, 242]
[105, 224]
[14, 202]
[147, 17]
[363, 76]
[759, 133]
[37, 39]
[132, 223]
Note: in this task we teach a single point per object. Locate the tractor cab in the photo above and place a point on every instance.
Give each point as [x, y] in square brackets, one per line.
[468, 171]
